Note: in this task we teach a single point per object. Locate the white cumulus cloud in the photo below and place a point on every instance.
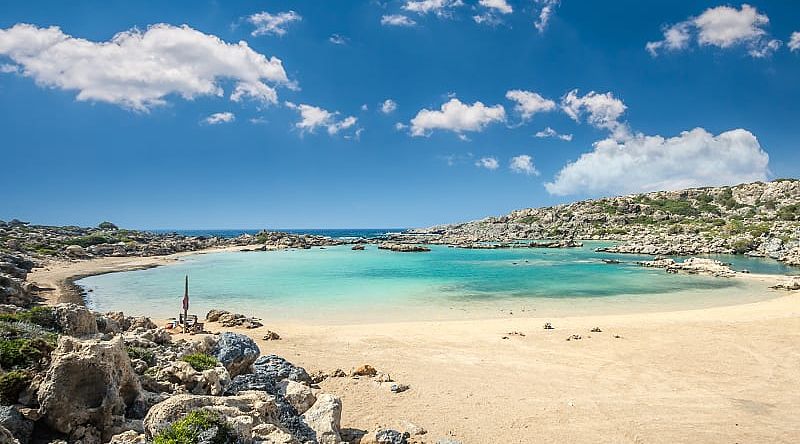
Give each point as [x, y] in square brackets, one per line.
[523, 164]
[137, 70]
[388, 106]
[602, 110]
[529, 103]
[275, 24]
[457, 117]
[548, 8]
[313, 117]
[649, 163]
[442, 8]
[337, 39]
[218, 118]
[397, 20]
[794, 41]
[490, 163]
[723, 27]
[550, 132]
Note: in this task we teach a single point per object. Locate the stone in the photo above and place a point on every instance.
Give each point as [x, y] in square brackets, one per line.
[365, 370]
[89, 383]
[75, 320]
[298, 395]
[271, 336]
[324, 419]
[244, 412]
[129, 437]
[75, 251]
[7, 438]
[279, 369]
[236, 352]
[141, 322]
[214, 314]
[389, 436]
[412, 429]
[16, 423]
[399, 388]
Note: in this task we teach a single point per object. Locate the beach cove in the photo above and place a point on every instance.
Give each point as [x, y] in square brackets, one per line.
[705, 375]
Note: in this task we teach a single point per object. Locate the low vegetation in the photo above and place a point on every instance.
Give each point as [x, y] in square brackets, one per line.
[12, 384]
[197, 424]
[201, 361]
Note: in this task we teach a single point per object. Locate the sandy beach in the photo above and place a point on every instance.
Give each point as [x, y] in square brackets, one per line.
[724, 374]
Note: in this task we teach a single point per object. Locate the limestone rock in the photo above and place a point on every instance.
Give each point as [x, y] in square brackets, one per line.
[244, 411]
[236, 352]
[75, 320]
[129, 437]
[89, 383]
[6, 437]
[298, 395]
[365, 370]
[324, 419]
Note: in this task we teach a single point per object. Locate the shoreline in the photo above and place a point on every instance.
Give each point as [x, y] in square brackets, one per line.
[717, 374]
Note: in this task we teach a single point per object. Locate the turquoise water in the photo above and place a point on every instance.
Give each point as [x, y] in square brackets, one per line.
[337, 284]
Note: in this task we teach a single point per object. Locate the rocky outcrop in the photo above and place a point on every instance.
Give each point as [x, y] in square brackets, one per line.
[75, 320]
[13, 421]
[324, 419]
[246, 412]
[236, 352]
[185, 378]
[90, 386]
[228, 319]
[692, 265]
[402, 248]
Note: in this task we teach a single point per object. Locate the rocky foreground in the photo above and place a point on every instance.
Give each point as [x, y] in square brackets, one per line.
[758, 219]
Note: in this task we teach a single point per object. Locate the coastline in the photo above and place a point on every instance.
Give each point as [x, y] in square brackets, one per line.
[705, 375]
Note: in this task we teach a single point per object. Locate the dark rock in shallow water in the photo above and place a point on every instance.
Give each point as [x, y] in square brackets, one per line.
[236, 352]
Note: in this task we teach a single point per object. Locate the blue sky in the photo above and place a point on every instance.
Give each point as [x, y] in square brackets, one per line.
[123, 131]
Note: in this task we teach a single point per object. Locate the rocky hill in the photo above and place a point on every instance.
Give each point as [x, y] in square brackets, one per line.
[758, 219]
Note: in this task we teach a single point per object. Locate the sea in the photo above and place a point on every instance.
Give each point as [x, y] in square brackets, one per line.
[339, 285]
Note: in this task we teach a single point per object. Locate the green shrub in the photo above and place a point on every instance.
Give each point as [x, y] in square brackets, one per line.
[759, 229]
[23, 352]
[789, 212]
[92, 239]
[107, 226]
[189, 429]
[42, 316]
[200, 361]
[11, 384]
[143, 354]
[742, 246]
[528, 220]
[675, 206]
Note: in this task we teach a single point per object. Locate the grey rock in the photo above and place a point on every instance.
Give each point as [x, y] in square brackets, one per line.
[236, 352]
[14, 422]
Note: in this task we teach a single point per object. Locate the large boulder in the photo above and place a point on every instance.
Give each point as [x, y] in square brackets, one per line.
[236, 352]
[14, 422]
[298, 395]
[324, 418]
[90, 384]
[75, 320]
[279, 369]
[244, 412]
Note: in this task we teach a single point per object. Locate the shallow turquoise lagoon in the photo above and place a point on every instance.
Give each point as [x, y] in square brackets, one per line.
[337, 284]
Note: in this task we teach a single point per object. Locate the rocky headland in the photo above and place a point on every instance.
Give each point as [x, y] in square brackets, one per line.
[758, 219]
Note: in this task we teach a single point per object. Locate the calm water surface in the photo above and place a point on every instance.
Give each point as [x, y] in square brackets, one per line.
[337, 284]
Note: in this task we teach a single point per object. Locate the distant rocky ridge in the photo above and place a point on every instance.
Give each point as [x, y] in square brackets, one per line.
[757, 219]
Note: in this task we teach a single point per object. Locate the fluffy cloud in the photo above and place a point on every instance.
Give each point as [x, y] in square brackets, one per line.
[337, 39]
[550, 132]
[137, 70]
[603, 110]
[442, 8]
[794, 41]
[648, 163]
[492, 8]
[490, 163]
[313, 117]
[457, 117]
[523, 164]
[274, 24]
[388, 106]
[218, 118]
[723, 27]
[529, 103]
[548, 7]
[397, 20]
